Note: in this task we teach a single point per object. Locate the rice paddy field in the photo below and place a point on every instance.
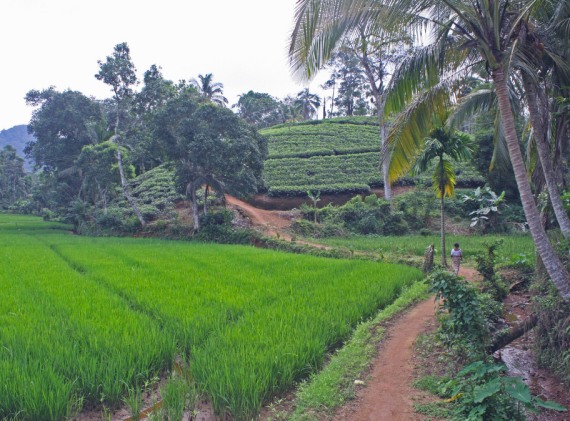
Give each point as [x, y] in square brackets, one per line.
[513, 247]
[82, 320]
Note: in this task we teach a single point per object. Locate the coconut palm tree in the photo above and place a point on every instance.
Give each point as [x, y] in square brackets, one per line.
[214, 91]
[307, 103]
[479, 31]
[489, 31]
[443, 146]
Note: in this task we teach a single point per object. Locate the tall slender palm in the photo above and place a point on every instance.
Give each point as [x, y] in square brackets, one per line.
[307, 103]
[542, 59]
[491, 29]
[214, 91]
[443, 146]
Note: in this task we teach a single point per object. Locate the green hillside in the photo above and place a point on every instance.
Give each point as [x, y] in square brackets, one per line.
[17, 137]
[339, 155]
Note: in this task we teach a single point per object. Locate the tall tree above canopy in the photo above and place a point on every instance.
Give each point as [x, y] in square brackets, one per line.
[260, 109]
[213, 91]
[118, 71]
[62, 124]
[210, 146]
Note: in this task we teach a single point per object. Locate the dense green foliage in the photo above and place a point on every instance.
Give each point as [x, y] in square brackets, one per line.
[250, 321]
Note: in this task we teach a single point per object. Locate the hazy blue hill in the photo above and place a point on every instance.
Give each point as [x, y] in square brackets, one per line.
[17, 137]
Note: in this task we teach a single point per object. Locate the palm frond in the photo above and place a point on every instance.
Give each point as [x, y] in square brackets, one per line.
[443, 179]
[478, 101]
[411, 127]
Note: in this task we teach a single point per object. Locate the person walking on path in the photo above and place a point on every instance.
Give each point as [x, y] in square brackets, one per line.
[456, 256]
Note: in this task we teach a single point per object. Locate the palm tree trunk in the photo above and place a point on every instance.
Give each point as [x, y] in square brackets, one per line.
[538, 127]
[443, 251]
[384, 152]
[556, 271]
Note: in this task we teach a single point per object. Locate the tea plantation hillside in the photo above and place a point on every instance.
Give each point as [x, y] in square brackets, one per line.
[339, 155]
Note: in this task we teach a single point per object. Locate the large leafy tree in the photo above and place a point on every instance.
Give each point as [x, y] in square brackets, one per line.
[155, 92]
[260, 109]
[62, 125]
[443, 146]
[213, 91]
[210, 146]
[118, 71]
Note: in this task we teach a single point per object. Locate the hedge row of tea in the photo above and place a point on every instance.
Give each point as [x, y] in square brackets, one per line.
[334, 156]
[331, 137]
[84, 319]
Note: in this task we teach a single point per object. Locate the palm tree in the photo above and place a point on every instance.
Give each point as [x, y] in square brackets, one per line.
[542, 66]
[214, 91]
[443, 146]
[490, 29]
[484, 31]
[307, 103]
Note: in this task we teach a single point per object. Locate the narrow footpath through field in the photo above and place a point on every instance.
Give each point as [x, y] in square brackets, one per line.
[388, 392]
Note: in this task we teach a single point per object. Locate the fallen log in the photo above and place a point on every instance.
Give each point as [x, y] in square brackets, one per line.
[515, 333]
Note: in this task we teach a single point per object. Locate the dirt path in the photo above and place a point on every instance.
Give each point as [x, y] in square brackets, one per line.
[389, 394]
[270, 222]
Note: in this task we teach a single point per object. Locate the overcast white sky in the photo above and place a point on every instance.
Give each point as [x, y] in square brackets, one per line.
[58, 42]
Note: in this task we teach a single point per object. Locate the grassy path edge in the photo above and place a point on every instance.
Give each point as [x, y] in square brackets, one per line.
[334, 385]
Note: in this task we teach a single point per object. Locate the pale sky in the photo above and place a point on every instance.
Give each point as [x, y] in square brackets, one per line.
[58, 42]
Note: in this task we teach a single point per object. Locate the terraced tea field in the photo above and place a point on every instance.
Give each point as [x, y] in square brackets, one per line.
[84, 319]
[337, 155]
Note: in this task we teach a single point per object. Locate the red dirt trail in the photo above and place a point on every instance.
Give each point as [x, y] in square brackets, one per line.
[388, 393]
[270, 222]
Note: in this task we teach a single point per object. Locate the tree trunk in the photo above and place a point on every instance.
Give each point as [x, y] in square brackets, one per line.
[540, 138]
[124, 182]
[443, 252]
[556, 271]
[384, 153]
[515, 333]
[195, 212]
[206, 199]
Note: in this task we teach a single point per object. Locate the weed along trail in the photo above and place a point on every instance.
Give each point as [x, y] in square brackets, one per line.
[387, 394]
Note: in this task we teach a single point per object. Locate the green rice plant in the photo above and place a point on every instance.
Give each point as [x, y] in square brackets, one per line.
[134, 401]
[176, 393]
[415, 245]
[93, 317]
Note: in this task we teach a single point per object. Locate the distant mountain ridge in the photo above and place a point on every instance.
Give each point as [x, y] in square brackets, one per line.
[17, 137]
